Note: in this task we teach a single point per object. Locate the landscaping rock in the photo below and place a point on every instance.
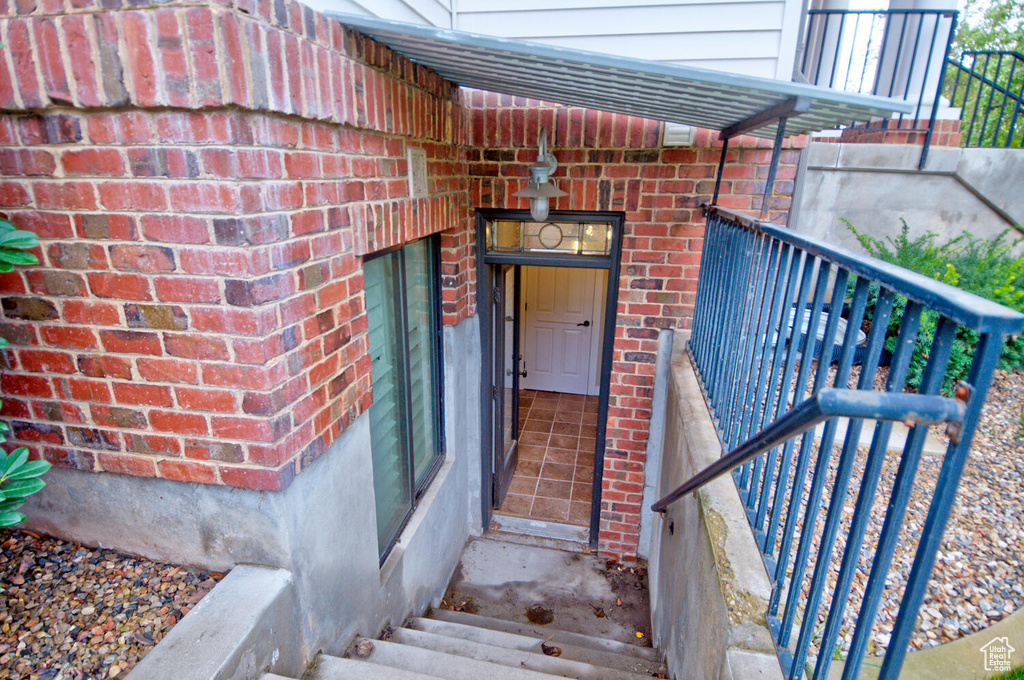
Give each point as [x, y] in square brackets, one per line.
[72, 612]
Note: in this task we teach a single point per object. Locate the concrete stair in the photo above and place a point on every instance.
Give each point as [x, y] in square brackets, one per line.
[459, 646]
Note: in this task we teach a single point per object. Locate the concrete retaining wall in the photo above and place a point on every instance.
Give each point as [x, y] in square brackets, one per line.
[321, 529]
[243, 626]
[709, 588]
[874, 185]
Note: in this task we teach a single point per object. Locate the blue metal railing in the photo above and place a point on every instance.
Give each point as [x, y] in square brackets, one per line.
[762, 325]
[988, 87]
[898, 53]
[921, 409]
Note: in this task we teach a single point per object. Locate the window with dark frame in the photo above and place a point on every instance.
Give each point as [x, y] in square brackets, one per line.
[406, 436]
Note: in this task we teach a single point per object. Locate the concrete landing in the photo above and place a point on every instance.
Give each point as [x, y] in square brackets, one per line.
[535, 528]
[503, 580]
[962, 659]
[897, 438]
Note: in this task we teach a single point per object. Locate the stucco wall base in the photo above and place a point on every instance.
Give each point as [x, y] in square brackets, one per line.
[709, 588]
[242, 628]
[321, 529]
[875, 185]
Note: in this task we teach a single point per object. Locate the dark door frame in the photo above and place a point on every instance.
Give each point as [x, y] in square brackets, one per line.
[503, 472]
[485, 286]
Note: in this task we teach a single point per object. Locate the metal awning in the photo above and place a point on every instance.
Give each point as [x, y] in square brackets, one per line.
[667, 92]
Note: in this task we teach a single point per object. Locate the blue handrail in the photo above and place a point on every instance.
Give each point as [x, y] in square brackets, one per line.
[782, 318]
[991, 101]
[897, 53]
[920, 409]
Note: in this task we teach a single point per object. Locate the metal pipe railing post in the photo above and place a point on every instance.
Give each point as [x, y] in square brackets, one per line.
[753, 353]
[806, 351]
[909, 326]
[938, 94]
[985, 359]
[813, 503]
[899, 498]
[806, 448]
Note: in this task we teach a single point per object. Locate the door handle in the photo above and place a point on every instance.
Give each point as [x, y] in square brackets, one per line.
[523, 373]
[584, 323]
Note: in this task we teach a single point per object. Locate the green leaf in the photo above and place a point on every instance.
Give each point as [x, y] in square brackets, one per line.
[12, 504]
[23, 487]
[18, 238]
[17, 256]
[9, 519]
[33, 468]
[7, 224]
[14, 460]
[4, 267]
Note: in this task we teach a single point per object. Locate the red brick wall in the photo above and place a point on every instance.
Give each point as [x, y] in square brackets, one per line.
[615, 162]
[946, 133]
[204, 177]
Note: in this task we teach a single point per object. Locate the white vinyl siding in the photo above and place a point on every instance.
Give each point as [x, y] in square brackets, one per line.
[750, 37]
[739, 36]
[601, 23]
[428, 12]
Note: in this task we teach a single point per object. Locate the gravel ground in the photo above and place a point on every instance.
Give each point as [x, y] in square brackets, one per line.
[67, 611]
[979, 572]
[73, 612]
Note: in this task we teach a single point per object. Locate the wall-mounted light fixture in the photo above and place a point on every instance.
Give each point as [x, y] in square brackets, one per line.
[539, 190]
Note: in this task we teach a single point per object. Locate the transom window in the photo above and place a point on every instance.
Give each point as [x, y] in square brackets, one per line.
[403, 312]
[526, 236]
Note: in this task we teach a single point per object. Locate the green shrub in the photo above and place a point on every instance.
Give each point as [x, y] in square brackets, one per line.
[1015, 674]
[19, 479]
[19, 476]
[985, 267]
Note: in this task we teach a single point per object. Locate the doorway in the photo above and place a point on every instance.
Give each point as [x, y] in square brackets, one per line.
[560, 312]
[548, 327]
[562, 316]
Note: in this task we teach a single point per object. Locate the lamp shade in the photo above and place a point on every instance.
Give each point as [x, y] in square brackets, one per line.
[539, 190]
[539, 194]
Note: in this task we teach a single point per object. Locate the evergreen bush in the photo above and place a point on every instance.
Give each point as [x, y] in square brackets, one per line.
[986, 267]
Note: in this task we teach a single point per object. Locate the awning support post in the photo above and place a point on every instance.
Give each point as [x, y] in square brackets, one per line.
[780, 134]
[721, 169]
[778, 115]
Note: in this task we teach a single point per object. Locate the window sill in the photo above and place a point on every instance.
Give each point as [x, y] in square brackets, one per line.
[423, 506]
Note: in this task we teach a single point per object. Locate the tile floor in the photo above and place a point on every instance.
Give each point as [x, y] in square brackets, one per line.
[554, 477]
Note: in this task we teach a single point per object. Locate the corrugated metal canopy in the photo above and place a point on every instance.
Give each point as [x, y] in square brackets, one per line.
[668, 92]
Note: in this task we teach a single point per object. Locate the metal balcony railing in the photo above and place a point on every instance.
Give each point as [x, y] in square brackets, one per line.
[890, 53]
[988, 87]
[774, 307]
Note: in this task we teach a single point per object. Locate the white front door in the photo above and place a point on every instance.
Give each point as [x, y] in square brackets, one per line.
[558, 328]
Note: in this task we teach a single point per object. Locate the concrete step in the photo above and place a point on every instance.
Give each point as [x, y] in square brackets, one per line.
[559, 637]
[335, 668]
[449, 666]
[462, 650]
[529, 643]
[274, 676]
